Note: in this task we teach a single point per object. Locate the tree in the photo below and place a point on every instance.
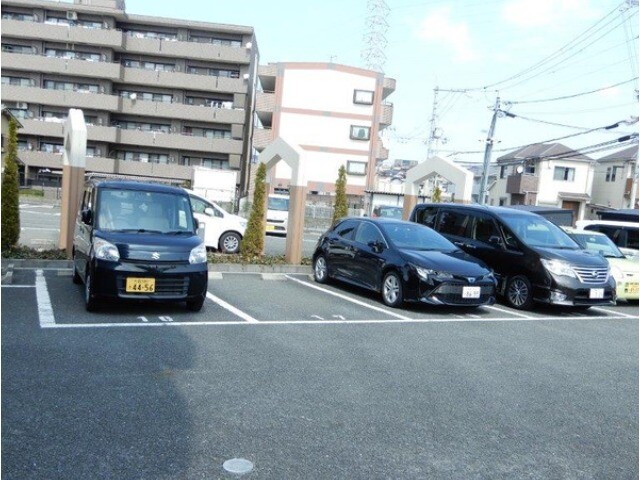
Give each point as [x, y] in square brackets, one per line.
[341, 208]
[253, 241]
[10, 189]
[436, 196]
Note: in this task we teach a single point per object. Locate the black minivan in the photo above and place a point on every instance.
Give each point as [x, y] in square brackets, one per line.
[138, 241]
[534, 260]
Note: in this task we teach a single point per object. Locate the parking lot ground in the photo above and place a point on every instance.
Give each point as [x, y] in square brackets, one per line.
[310, 381]
[242, 298]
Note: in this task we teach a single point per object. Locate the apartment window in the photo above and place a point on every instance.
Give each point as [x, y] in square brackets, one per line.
[143, 126]
[208, 102]
[564, 174]
[152, 34]
[356, 168]
[7, 47]
[23, 145]
[186, 161]
[24, 17]
[58, 20]
[54, 116]
[363, 97]
[79, 87]
[215, 163]
[502, 201]
[530, 169]
[206, 132]
[360, 132]
[611, 173]
[214, 72]
[91, 57]
[17, 81]
[21, 113]
[503, 171]
[142, 157]
[201, 38]
[147, 96]
[51, 147]
[89, 24]
[146, 65]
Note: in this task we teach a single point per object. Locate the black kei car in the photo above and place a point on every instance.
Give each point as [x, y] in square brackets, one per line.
[404, 262]
[138, 241]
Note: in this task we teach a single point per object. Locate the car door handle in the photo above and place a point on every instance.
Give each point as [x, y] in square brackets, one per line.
[460, 244]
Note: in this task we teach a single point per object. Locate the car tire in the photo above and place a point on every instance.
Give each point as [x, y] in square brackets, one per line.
[76, 278]
[90, 300]
[392, 294]
[320, 269]
[195, 305]
[230, 242]
[519, 294]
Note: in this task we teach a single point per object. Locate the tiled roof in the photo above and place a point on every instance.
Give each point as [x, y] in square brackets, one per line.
[629, 153]
[543, 150]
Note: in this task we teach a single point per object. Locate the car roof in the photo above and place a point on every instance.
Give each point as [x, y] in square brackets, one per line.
[574, 231]
[500, 211]
[614, 223]
[135, 185]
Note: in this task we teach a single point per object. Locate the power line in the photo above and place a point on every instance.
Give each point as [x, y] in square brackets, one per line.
[570, 96]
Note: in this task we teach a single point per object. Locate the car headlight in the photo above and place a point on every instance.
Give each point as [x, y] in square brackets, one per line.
[104, 250]
[617, 273]
[426, 273]
[558, 267]
[198, 254]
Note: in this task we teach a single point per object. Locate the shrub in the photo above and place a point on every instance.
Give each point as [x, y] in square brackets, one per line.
[341, 208]
[253, 240]
[10, 187]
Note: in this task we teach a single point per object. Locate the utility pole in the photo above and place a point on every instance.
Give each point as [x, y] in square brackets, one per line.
[487, 153]
[432, 127]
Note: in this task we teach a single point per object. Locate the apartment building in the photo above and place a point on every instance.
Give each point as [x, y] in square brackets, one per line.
[159, 95]
[334, 113]
[615, 183]
[547, 174]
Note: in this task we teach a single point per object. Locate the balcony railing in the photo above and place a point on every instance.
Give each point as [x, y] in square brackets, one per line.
[522, 183]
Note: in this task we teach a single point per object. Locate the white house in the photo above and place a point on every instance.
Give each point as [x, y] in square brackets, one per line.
[613, 183]
[544, 174]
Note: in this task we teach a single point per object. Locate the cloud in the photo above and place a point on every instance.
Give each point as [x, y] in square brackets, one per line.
[545, 13]
[439, 28]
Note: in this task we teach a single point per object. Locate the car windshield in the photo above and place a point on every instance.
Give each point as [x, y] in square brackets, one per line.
[597, 243]
[281, 204]
[413, 236]
[389, 212]
[537, 231]
[143, 212]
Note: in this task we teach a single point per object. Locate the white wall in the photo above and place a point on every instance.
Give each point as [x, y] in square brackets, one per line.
[548, 188]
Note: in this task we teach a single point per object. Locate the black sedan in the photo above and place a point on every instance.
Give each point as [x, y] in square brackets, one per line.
[404, 261]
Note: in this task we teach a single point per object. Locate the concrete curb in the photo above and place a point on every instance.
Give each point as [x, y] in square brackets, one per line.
[10, 263]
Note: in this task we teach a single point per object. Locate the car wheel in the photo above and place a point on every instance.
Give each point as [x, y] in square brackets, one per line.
[392, 290]
[230, 242]
[195, 305]
[320, 270]
[519, 294]
[90, 301]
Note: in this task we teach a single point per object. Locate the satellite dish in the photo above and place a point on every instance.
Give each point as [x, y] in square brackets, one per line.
[519, 169]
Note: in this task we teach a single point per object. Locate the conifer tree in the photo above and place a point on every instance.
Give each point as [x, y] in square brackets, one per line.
[253, 240]
[341, 208]
[10, 191]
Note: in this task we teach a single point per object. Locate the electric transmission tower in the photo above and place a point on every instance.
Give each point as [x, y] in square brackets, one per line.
[375, 35]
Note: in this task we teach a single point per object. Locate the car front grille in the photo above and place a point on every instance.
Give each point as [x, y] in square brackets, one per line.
[451, 294]
[592, 275]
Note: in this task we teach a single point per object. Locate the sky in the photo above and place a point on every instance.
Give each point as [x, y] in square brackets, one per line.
[530, 53]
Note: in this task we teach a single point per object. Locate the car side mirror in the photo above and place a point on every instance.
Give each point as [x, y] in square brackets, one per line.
[87, 216]
[376, 246]
[495, 240]
[209, 211]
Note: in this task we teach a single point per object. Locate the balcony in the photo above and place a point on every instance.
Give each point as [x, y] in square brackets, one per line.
[262, 137]
[144, 169]
[60, 33]
[42, 128]
[181, 111]
[382, 153]
[388, 86]
[34, 158]
[522, 183]
[387, 114]
[60, 98]
[152, 78]
[183, 49]
[62, 66]
[177, 141]
[265, 102]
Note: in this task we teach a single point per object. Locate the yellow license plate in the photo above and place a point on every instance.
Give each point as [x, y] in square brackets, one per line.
[140, 285]
[270, 228]
[632, 288]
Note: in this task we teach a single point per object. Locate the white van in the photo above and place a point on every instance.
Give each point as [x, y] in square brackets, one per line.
[277, 213]
[223, 231]
[623, 234]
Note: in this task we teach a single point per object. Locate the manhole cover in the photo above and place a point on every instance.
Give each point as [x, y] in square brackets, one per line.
[238, 465]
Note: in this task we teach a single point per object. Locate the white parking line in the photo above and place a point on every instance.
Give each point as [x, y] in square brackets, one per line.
[349, 299]
[387, 321]
[45, 311]
[510, 312]
[231, 308]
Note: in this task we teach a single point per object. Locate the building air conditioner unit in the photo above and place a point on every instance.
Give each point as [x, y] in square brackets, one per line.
[72, 16]
[245, 76]
[22, 105]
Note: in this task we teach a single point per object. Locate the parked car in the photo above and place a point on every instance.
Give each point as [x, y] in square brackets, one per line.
[138, 241]
[534, 259]
[623, 234]
[223, 231]
[624, 270]
[387, 211]
[403, 261]
[277, 213]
